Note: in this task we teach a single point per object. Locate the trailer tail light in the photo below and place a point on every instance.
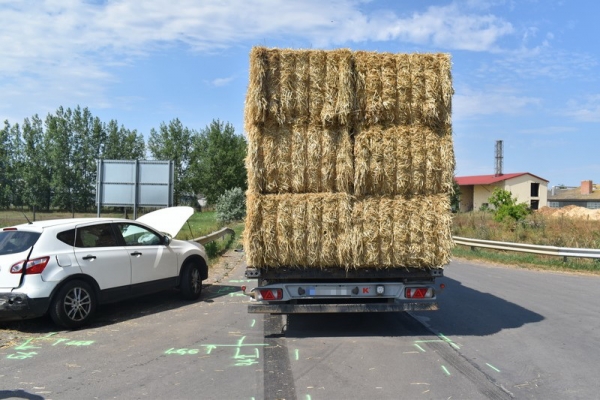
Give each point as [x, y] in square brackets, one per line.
[270, 294]
[35, 266]
[418, 293]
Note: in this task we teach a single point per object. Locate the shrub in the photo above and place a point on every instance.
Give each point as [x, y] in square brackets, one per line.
[231, 206]
[506, 206]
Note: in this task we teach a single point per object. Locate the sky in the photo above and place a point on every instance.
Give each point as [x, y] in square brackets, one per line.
[526, 72]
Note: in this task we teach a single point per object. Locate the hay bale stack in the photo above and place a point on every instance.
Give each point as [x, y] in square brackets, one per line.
[299, 230]
[299, 158]
[350, 159]
[402, 160]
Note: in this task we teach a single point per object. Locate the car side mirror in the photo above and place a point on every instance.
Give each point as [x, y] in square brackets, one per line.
[166, 240]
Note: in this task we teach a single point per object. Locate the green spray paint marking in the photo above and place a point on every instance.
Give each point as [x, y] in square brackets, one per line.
[21, 354]
[445, 339]
[253, 323]
[420, 348]
[308, 397]
[297, 354]
[446, 370]
[492, 367]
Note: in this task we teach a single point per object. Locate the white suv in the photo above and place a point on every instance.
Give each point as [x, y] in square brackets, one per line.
[66, 267]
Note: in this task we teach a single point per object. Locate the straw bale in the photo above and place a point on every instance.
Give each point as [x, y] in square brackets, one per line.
[403, 157]
[317, 78]
[329, 144]
[431, 89]
[314, 155]
[338, 102]
[344, 163]
[395, 232]
[268, 229]
[273, 86]
[299, 238]
[299, 158]
[303, 89]
[253, 243]
[368, 71]
[418, 154]
[256, 104]
[402, 160]
[403, 90]
[434, 164]
[314, 219]
[448, 161]
[255, 161]
[285, 229]
[287, 85]
[401, 234]
[386, 231]
[329, 231]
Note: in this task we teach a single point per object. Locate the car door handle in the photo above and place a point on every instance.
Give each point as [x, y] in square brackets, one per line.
[136, 254]
[90, 257]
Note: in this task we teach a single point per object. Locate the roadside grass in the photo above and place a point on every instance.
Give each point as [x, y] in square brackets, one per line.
[536, 229]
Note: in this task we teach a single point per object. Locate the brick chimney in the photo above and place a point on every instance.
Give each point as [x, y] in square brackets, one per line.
[587, 187]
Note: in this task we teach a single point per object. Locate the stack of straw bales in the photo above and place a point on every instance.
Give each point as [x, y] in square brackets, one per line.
[350, 159]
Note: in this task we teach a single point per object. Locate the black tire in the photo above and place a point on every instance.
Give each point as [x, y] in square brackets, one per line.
[74, 305]
[191, 281]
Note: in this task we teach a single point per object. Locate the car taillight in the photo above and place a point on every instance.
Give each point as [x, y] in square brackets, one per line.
[418, 293]
[270, 294]
[35, 266]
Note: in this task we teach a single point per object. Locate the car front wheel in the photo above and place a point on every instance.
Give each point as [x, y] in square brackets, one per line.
[73, 305]
[191, 281]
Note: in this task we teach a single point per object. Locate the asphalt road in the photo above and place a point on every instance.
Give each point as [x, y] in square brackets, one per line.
[500, 333]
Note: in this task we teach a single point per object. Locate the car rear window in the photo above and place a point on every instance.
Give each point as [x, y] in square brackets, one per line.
[12, 242]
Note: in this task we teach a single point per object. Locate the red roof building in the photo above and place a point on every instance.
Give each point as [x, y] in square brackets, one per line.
[527, 188]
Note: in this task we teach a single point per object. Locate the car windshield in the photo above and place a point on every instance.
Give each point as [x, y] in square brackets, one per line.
[12, 242]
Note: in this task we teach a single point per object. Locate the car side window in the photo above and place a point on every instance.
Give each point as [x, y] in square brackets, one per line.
[67, 237]
[100, 235]
[136, 235]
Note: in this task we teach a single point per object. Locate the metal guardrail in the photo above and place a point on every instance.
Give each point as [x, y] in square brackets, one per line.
[529, 248]
[214, 236]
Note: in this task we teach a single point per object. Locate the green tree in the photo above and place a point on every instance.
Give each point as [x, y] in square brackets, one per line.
[35, 171]
[5, 160]
[173, 142]
[218, 161]
[60, 157]
[455, 197]
[506, 206]
[16, 166]
[123, 144]
[231, 206]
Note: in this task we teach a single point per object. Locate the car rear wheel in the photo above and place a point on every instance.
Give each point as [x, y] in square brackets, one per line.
[191, 281]
[73, 305]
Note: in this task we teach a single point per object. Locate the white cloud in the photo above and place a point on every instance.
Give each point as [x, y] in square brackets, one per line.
[471, 103]
[57, 50]
[218, 82]
[586, 111]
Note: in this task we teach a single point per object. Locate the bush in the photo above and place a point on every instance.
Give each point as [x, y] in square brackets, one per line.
[231, 206]
[506, 206]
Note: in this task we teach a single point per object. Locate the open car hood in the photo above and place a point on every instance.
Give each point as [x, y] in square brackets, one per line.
[167, 220]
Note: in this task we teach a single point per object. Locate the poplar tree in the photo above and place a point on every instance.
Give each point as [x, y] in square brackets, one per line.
[218, 161]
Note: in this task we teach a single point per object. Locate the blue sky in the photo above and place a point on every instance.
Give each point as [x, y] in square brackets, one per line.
[526, 72]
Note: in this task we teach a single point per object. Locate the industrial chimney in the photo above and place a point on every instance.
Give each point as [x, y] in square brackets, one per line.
[499, 157]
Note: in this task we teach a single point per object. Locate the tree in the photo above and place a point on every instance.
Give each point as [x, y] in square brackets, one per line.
[506, 206]
[218, 161]
[173, 143]
[60, 156]
[5, 160]
[455, 197]
[123, 144]
[35, 172]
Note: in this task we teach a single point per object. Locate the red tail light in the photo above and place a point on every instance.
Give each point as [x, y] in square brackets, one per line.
[418, 293]
[35, 266]
[270, 294]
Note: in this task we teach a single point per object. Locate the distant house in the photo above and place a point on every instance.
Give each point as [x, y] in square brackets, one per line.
[587, 195]
[527, 188]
